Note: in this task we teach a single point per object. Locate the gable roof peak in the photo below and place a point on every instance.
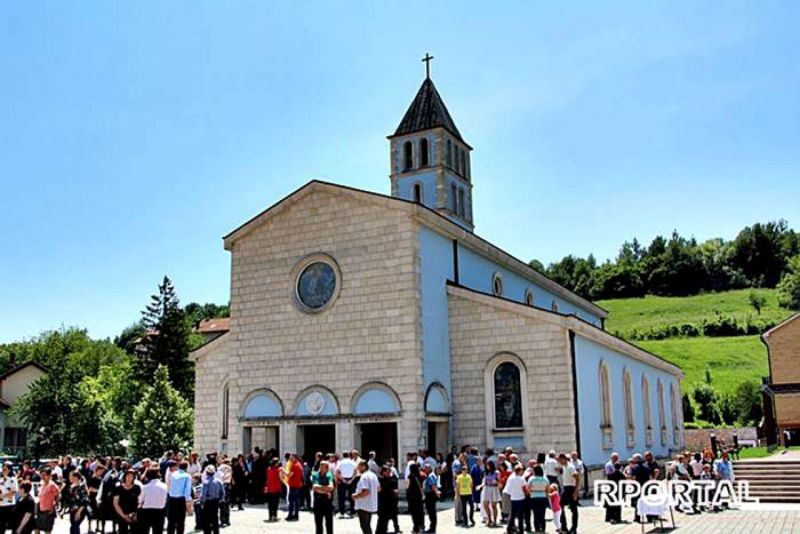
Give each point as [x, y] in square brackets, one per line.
[426, 111]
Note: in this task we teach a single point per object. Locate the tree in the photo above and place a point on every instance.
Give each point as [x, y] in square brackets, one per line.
[705, 397]
[749, 409]
[760, 252]
[727, 409]
[789, 286]
[757, 300]
[61, 411]
[688, 409]
[162, 420]
[166, 341]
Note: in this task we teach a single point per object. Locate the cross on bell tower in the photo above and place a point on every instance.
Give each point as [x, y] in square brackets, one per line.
[427, 60]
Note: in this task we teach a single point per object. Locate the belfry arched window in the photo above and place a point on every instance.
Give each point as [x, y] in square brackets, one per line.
[408, 155]
[418, 192]
[454, 198]
[630, 424]
[605, 406]
[463, 163]
[648, 422]
[662, 417]
[461, 209]
[449, 153]
[507, 396]
[424, 156]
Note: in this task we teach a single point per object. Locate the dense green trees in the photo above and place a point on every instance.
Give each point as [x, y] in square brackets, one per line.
[789, 286]
[163, 420]
[166, 341]
[100, 395]
[758, 257]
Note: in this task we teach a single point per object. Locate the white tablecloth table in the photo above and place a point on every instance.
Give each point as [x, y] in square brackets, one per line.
[659, 510]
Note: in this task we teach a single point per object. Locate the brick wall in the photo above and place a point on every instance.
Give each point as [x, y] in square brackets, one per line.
[784, 352]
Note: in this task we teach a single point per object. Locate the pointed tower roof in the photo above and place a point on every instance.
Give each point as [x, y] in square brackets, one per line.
[427, 111]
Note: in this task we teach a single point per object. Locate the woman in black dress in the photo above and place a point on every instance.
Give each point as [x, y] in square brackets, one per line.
[414, 497]
[387, 499]
[126, 502]
[240, 482]
[25, 510]
[77, 502]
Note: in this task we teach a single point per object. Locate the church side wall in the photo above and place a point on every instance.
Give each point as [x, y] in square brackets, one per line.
[369, 334]
[475, 271]
[210, 377]
[589, 355]
[478, 334]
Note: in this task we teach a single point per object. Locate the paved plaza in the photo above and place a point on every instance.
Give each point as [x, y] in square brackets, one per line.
[761, 519]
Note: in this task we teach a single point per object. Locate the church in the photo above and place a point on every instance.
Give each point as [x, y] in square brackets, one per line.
[385, 323]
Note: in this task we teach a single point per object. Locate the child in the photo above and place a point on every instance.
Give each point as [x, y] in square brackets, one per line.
[555, 505]
[464, 488]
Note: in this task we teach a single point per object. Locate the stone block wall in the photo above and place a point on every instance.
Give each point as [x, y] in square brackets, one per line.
[480, 331]
[370, 333]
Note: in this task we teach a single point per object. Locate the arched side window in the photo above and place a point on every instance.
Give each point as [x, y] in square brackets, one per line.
[497, 284]
[605, 406]
[461, 210]
[226, 411]
[662, 418]
[554, 306]
[676, 425]
[507, 396]
[449, 153]
[408, 155]
[418, 192]
[424, 155]
[630, 424]
[529, 297]
[454, 198]
[648, 423]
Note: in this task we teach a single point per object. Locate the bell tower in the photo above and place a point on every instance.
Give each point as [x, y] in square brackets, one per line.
[430, 161]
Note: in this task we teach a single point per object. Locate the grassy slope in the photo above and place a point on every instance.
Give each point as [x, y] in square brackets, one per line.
[644, 313]
[732, 360]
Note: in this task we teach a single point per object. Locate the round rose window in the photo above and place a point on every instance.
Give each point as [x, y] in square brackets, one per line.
[316, 285]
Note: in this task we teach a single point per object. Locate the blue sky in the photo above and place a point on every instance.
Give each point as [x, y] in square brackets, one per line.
[134, 135]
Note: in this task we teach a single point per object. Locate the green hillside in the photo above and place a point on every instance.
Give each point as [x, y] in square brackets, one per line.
[732, 359]
[642, 314]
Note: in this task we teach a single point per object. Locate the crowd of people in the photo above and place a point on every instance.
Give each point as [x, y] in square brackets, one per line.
[501, 489]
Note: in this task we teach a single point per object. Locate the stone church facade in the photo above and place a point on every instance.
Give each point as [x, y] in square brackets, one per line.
[385, 323]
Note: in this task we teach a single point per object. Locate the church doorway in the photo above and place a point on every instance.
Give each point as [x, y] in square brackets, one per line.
[312, 439]
[264, 437]
[437, 437]
[378, 437]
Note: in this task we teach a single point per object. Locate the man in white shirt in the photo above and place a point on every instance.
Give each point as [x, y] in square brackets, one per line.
[609, 467]
[366, 497]
[153, 503]
[345, 473]
[551, 469]
[516, 489]
[569, 493]
[577, 463]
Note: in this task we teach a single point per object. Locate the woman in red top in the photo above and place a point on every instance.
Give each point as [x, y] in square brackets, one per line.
[273, 488]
